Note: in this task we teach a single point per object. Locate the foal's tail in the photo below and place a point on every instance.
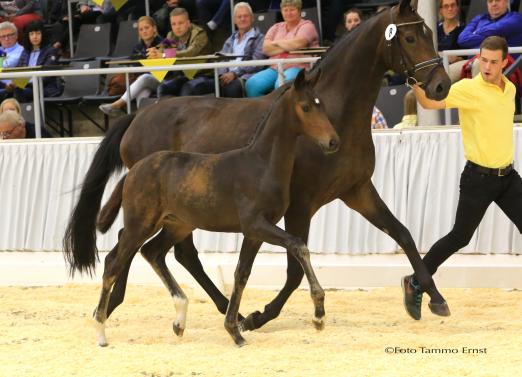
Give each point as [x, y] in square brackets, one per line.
[110, 210]
[79, 241]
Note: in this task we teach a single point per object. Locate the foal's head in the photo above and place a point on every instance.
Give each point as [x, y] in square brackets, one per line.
[310, 111]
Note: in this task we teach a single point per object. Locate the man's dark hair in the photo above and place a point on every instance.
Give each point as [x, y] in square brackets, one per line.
[495, 43]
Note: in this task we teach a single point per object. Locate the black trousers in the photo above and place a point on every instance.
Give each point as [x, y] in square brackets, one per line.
[477, 192]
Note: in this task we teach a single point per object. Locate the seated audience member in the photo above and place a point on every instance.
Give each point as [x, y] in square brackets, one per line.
[13, 125]
[246, 41]
[161, 16]
[333, 17]
[352, 19]
[214, 13]
[11, 51]
[83, 12]
[378, 120]
[188, 40]
[498, 21]
[145, 84]
[20, 12]
[291, 34]
[448, 31]
[37, 53]
[409, 119]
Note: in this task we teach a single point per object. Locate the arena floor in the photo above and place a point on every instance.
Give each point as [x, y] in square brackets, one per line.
[47, 331]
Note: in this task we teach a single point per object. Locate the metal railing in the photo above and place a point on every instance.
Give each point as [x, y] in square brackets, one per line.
[469, 52]
[36, 77]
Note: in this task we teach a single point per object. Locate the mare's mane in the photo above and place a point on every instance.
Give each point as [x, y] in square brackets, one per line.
[344, 44]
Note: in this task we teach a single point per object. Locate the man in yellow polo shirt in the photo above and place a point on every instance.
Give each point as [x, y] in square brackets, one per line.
[486, 106]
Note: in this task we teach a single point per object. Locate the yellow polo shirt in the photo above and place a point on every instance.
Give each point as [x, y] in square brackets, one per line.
[486, 118]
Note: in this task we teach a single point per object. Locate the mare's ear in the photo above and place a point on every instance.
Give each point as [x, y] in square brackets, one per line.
[412, 4]
[314, 79]
[299, 81]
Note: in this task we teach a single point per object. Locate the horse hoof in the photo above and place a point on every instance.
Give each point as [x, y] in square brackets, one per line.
[441, 309]
[178, 330]
[103, 344]
[248, 324]
[240, 341]
[318, 323]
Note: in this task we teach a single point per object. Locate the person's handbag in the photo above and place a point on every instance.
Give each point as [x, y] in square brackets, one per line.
[116, 84]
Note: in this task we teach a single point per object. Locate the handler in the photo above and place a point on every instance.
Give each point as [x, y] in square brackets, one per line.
[486, 106]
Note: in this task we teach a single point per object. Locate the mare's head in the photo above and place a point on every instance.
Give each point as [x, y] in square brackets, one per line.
[409, 49]
[313, 121]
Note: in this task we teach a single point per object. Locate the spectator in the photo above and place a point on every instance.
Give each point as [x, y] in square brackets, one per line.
[37, 53]
[188, 40]
[246, 41]
[291, 34]
[146, 84]
[162, 18]
[85, 12]
[333, 17]
[449, 28]
[378, 120]
[214, 13]
[20, 12]
[13, 125]
[11, 51]
[409, 118]
[352, 19]
[498, 21]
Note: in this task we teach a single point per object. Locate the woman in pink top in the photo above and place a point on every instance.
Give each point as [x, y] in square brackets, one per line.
[292, 34]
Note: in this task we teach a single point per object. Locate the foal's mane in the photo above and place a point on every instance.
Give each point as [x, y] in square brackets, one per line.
[262, 122]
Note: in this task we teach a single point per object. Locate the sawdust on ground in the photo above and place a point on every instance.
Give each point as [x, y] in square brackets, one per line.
[47, 331]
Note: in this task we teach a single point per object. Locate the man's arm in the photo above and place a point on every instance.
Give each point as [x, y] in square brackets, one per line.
[425, 102]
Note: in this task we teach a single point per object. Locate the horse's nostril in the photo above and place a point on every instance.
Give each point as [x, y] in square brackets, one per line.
[439, 88]
[334, 143]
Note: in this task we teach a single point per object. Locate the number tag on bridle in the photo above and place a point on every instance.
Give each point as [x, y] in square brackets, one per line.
[390, 32]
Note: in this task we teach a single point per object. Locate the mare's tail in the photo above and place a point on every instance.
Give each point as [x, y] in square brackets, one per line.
[79, 241]
[110, 210]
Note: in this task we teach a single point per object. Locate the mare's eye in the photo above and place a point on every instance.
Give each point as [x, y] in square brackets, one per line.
[410, 39]
[305, 108]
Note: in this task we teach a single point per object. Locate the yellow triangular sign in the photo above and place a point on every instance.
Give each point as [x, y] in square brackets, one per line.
[117, 4]
[159, 75]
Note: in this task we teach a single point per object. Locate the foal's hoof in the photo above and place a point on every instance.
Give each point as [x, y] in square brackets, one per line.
[248, 323]
[178, 330]
[441, 309]
[103, 344]
[318, 323]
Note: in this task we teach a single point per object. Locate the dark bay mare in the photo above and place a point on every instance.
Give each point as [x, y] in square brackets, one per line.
[245, 190]
[349, 79]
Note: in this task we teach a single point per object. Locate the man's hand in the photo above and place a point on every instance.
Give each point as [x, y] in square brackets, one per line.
[84, 9]
[227, 78]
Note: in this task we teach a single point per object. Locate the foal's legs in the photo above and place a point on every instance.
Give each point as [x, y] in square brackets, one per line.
[365, 200]
[248, 253]
[155, 255]
[297, 223]
[268, 232]
[115, 261]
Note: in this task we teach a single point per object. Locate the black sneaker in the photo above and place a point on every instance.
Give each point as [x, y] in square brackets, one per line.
[412, 296]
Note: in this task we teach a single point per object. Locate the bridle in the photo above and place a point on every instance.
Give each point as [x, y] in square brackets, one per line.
[411, 70]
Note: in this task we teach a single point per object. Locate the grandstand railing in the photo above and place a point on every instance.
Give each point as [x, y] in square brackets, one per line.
[469, 52]
[36, 77]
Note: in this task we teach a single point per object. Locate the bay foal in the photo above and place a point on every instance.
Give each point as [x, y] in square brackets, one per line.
[244, 190]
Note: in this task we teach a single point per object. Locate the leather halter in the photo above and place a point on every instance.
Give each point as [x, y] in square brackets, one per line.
[411, 70]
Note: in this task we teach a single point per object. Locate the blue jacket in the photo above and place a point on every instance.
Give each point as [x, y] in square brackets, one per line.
[253, 51]
[508, 26]
[48, 56]
[140, 48]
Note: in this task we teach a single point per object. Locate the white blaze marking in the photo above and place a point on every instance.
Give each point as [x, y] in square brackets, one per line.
[181, 305]
[390, 32]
